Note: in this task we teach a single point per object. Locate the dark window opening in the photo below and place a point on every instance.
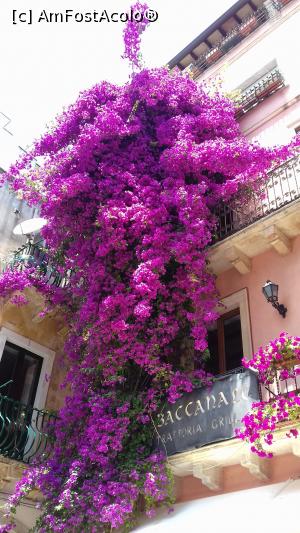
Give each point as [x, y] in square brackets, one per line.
[23, 368]
[225, 344]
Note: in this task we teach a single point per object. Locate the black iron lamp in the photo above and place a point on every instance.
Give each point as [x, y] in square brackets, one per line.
[270, 291]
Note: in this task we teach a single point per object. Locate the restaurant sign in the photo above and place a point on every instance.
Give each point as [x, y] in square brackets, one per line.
[207, 414]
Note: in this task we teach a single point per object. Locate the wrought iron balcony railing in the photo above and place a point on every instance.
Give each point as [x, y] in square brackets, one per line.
[34, 255]
[279, 386]
[247, 26]
[282, 386]
[25, 432]
[259, 91]
[282, 188]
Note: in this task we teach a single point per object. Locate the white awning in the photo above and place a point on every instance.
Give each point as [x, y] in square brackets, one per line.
[270, 508]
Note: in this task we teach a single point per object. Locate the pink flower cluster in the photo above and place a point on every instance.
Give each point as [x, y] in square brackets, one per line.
[265, 417]
[276, 355]
[278, 361]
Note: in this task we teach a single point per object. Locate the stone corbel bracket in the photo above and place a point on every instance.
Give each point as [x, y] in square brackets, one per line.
[278, 240]
[208, 473]
[239, 260]
[257, 466]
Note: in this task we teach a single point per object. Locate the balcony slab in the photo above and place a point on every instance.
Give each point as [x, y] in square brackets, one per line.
[275, 230]
[206, 464]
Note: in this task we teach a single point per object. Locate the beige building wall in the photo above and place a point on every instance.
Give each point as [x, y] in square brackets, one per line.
[24, 322]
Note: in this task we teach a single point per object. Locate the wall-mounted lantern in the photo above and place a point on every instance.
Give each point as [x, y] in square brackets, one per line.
[270, 291]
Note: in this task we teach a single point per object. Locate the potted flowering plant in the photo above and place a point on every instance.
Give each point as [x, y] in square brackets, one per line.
[276, 361]
[260, 424]
[282, 354]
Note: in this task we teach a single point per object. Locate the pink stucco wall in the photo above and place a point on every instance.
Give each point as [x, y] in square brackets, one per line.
[266, 322]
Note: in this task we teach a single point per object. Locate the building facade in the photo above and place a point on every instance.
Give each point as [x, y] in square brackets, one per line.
[249, 52]
[31, 369]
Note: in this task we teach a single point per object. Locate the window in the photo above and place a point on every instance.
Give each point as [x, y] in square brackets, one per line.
[225, 343]
[21, 369]
[29, 366]
[234, 331]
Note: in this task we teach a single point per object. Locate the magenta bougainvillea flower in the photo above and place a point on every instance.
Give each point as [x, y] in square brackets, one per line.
[276, 358]
[132, 35]
[127, 179]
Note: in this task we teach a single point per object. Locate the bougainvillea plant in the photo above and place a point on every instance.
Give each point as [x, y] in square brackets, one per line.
[127, 179]
[277, 362]
[132, 36]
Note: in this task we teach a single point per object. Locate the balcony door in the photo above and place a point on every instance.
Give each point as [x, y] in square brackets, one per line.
[225, 343]
[23, 369]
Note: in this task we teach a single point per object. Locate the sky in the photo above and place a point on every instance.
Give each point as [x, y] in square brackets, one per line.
[44, 65]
